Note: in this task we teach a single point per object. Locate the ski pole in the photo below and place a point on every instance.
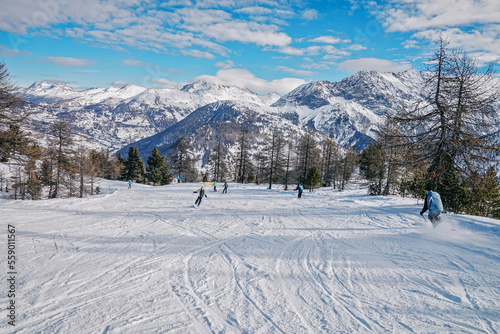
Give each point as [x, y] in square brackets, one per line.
[209, 201]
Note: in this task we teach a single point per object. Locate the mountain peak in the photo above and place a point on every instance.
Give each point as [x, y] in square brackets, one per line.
[198, 86]
[45, 85]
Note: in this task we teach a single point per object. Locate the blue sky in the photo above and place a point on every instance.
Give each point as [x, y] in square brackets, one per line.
[262, 45]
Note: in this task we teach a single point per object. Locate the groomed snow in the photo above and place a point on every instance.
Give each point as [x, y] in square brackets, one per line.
[145, 260]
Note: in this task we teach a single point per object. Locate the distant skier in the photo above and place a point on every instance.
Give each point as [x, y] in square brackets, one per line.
[224, 191]
[200, 196]
[300, 189]
[432, 203]
[215, 186]
[130, 184]
[178, 179]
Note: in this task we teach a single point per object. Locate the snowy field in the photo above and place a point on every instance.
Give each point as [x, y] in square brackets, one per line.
[146, 260]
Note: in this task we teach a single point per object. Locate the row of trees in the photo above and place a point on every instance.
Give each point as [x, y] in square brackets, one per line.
[280, 162]
[284, 160]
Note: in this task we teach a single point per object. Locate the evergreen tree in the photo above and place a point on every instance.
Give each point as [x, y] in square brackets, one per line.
[492, 194]
[134, 166]
[123, 170]
[313, 178]
[157, 170]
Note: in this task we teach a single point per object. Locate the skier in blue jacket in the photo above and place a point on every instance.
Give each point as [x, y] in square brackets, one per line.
[432, 203]
[300, 189]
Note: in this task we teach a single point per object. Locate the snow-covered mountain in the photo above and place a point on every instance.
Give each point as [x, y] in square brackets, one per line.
[350, 111]
[222, 120]
[114, 117]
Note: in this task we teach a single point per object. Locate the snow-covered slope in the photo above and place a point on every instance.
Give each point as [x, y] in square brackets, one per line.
[251, 261]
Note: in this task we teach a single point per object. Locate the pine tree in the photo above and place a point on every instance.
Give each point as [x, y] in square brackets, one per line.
[492, 194]
[134, 166]
[157, 170]
[313, 178]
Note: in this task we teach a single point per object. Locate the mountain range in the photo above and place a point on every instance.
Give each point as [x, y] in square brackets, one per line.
[350, 111]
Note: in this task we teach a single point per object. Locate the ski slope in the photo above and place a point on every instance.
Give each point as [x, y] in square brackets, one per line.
[145, 260]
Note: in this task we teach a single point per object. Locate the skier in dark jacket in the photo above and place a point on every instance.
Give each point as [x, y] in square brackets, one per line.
[432, 203]
[224, 191]
[300, 189]
[200, 196]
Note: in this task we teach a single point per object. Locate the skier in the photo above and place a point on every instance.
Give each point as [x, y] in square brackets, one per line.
[215, 186]
[224, 191]
[130, 184]
[300, 189]
[200, 196]
[432, 203]
[178, 179]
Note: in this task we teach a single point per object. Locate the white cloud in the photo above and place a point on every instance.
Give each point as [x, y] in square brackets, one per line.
[356, 47]
[197, 53]
[245, 79]
[373, 64]
[256, 10]
[7, 52]
[145, 25]
[165, 82]
[329, 40]
[134, 62]
[482, 43]
[310, 14]
[69, 61]
[225, 65]
[119, 83]
[410, 15]
[295, 71]
[247, 32]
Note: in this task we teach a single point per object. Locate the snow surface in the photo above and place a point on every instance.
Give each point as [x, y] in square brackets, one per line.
[145, 260]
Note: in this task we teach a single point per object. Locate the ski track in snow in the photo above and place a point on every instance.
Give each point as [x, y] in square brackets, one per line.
[252, 261]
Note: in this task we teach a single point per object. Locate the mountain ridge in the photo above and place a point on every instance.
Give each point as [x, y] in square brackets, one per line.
[350, 111]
